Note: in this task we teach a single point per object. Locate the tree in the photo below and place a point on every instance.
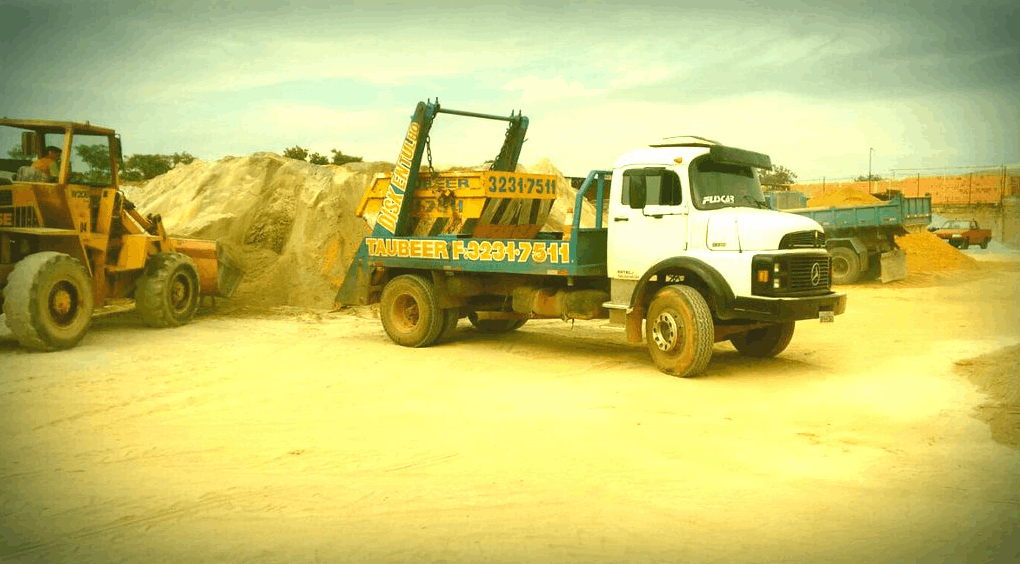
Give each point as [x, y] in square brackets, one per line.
[182, 158]
[97, 157]
[780, 177]
[146, 166]
[317, 159]
[296, 152]
[341, 159]
[866, 178]
[16, 153]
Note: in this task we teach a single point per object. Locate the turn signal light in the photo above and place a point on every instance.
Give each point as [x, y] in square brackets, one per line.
[763, 276]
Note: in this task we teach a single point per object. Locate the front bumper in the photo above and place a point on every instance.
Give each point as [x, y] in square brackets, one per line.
[787, 309]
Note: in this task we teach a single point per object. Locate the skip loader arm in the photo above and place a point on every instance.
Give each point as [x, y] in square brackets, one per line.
[394, 214]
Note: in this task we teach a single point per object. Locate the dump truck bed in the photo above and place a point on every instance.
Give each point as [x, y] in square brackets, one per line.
[910, 213]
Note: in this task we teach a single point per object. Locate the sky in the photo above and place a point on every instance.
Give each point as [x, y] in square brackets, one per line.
[819, 87]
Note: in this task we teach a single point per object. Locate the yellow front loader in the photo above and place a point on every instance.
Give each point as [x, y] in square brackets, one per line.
[70, 241]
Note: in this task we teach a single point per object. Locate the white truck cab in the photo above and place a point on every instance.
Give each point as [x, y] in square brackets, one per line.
[691, 210]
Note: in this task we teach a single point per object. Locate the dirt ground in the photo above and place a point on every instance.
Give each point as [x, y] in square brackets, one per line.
[307, 436]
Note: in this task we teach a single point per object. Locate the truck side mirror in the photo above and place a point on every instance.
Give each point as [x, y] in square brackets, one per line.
[638, 194]
[28, 143]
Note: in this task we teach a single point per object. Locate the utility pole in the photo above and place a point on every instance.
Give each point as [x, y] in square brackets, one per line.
[870, 150]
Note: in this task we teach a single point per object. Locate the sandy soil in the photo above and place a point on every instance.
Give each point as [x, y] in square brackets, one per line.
[309, 437]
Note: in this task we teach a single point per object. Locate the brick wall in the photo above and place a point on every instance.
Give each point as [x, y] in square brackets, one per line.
[963, 189]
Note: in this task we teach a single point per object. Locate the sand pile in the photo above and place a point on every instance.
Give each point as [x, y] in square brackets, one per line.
[291, 224]
[565, 195]
[998, 374]
[842, 197]
[927, 253]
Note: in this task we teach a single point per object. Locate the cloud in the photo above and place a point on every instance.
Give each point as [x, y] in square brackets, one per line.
[534, 89]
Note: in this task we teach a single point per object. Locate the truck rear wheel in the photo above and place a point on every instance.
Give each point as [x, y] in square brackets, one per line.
[846, 266]
[765, 341]
[495, 325]
[984, 245]
[679, 331]
[48, 301]
[410, 312]
[167, 294]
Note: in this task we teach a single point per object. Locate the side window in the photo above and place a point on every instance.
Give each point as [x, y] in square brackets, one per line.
[631, 179]
[661, 186]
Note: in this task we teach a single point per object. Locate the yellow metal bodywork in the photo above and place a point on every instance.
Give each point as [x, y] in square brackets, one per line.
[481, 204]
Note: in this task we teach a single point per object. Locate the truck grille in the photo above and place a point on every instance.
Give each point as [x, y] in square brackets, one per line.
[808, 274]
[803, 240]
[18, 216]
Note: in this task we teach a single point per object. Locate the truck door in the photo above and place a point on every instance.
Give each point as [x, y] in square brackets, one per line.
[648, 220]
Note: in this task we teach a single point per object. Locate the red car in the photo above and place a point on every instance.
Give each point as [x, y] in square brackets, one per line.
[961, 233]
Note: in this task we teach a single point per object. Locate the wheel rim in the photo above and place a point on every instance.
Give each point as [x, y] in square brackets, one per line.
[840, 266]
[63, 303]
[665, 332]
[406, 313]
[181, 292]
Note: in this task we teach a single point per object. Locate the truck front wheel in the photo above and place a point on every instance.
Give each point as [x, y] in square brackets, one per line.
[765, 341]
[679, 331]
[410, 312]
[846, 266]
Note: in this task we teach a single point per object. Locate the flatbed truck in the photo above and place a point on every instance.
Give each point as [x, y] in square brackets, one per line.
[690, 254]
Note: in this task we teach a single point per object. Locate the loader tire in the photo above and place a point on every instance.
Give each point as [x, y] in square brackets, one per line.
[764, 342]
[846, 266]
[679, 331]
[48, 301]
[410, 312]
[495, 326]
[167, 294]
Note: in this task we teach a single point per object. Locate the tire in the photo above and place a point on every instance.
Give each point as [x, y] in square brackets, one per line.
[679, 331]
[984, 245]
[450, 318]
[764, 342]
[167, 294]
[846, 266]
[410, 312]
[48, 301]
[494, 326]
[965, 244]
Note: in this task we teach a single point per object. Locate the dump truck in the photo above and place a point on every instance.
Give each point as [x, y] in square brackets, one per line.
[690, 252]
[70, 242]
[862, 238]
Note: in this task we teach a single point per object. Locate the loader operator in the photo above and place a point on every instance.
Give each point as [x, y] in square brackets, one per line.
[50, 164]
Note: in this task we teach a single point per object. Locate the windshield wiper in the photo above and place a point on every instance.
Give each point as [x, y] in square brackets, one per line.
[757, 203]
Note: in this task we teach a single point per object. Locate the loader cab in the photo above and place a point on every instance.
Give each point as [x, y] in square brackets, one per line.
[89, 154]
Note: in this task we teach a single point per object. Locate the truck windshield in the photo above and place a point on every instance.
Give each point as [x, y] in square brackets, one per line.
[956, 225]
[722, 185]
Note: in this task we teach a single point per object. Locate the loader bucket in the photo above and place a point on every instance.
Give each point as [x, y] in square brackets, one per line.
[218, 272]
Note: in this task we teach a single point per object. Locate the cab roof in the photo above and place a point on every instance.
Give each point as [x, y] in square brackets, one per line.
[50, 126]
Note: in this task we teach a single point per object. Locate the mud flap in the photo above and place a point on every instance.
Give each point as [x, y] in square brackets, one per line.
[894, 265]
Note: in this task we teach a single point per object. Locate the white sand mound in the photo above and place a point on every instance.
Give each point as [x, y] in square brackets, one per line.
[290, 223]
